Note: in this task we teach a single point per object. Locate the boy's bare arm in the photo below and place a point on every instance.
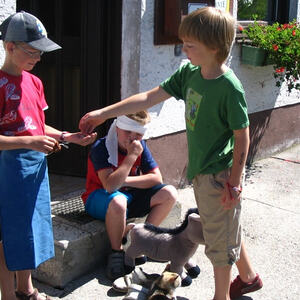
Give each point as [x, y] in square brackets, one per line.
[114, 180]
[144, 181]
[44, 143]
[231, 194]
[132, 104]
[240, 152]
[69, 137]
[39, 143]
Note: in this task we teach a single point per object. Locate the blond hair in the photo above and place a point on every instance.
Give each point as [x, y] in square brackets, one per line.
[212, 27]
[142, 117]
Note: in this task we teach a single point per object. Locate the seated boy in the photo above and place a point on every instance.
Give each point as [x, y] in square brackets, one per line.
[124, 181]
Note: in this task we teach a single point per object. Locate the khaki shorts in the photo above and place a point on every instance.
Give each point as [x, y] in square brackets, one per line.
[221, 228]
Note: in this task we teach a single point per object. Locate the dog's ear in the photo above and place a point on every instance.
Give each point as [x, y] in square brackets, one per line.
[194, 217]
[129, 226]
[167, 268]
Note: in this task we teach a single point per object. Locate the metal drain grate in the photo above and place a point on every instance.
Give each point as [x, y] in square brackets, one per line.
[72, 210]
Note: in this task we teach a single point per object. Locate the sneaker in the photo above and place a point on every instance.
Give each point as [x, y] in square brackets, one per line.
[239, 288]
[140, 260]
[115, 265]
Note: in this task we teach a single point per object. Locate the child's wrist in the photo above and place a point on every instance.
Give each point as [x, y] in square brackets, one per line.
[237, 188]
[131, 158]
[63, 136]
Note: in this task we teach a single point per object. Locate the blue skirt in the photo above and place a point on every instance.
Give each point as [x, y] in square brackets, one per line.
[25, 212]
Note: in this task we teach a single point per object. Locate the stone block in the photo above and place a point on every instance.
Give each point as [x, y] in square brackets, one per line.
[81, 247]
[78, 249]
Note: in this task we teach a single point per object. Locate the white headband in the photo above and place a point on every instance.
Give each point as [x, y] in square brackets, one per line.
[126, 123]
[111, 141]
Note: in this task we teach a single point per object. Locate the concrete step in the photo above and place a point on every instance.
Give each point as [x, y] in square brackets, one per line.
[81, 244]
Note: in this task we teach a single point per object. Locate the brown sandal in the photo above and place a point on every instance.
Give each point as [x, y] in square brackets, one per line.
[33, 296]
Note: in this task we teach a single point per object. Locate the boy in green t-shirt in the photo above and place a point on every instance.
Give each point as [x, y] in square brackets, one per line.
[218, 140]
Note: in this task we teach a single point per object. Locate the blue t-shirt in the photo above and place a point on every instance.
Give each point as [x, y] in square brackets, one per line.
[98, 159]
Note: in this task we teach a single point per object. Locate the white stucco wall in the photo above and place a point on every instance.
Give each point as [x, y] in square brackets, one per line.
[7, 7]
[159, 62]
[156, 64]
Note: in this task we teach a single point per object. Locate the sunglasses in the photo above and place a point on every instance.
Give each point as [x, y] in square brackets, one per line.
[35, 54]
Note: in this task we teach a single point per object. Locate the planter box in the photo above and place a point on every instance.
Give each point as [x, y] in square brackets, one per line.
[268, 61]
[253, 55]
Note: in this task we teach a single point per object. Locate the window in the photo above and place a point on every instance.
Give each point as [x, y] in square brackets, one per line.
[168, 15]
[281, 11]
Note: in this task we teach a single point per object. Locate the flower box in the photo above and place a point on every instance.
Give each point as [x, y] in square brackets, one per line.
[281, 43]
[269, 60]
[254, 56]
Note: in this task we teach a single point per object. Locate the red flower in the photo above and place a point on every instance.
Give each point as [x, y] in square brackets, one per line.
[294, 32]
[278, 28]
[280, 70]
[275, 47]
[240, 28]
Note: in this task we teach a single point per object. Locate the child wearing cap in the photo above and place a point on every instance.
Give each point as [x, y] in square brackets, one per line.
[124, 181]
[25, 215]
[217, 128]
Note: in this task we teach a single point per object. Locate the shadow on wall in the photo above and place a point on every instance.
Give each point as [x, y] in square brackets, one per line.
[259, 123]
[170, 152]
[273, 130]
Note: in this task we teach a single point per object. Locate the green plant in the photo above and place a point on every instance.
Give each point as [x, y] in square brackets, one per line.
[247, 8]
[282, 43]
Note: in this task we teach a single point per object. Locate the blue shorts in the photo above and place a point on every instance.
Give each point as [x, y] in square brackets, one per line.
[138, 201]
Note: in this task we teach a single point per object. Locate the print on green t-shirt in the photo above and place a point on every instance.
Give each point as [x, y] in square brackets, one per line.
[193, 101]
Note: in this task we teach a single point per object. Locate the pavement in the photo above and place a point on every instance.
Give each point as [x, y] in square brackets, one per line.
[271, 234]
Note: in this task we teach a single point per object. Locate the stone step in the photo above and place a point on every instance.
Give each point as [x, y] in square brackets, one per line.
[81, 243]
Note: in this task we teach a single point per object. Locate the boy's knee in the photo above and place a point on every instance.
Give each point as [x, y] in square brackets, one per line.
[168, 194]
[118, 205]
[172, 192]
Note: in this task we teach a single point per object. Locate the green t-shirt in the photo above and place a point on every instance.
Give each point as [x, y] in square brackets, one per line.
[213, 109]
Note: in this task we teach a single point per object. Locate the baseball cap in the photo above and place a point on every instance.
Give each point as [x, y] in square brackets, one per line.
[24, 27]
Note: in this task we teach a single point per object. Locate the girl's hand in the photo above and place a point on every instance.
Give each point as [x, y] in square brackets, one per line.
[80, 138]
[231, 196]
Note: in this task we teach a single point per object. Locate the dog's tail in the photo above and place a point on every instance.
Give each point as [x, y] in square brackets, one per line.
[175, 230]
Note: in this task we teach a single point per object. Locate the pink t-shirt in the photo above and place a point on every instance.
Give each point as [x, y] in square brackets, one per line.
[22, 105]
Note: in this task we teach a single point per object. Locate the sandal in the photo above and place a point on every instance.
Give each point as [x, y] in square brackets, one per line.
[115, 265]
[33, 296]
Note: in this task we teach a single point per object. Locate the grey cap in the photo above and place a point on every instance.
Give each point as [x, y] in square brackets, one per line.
[24, 27]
